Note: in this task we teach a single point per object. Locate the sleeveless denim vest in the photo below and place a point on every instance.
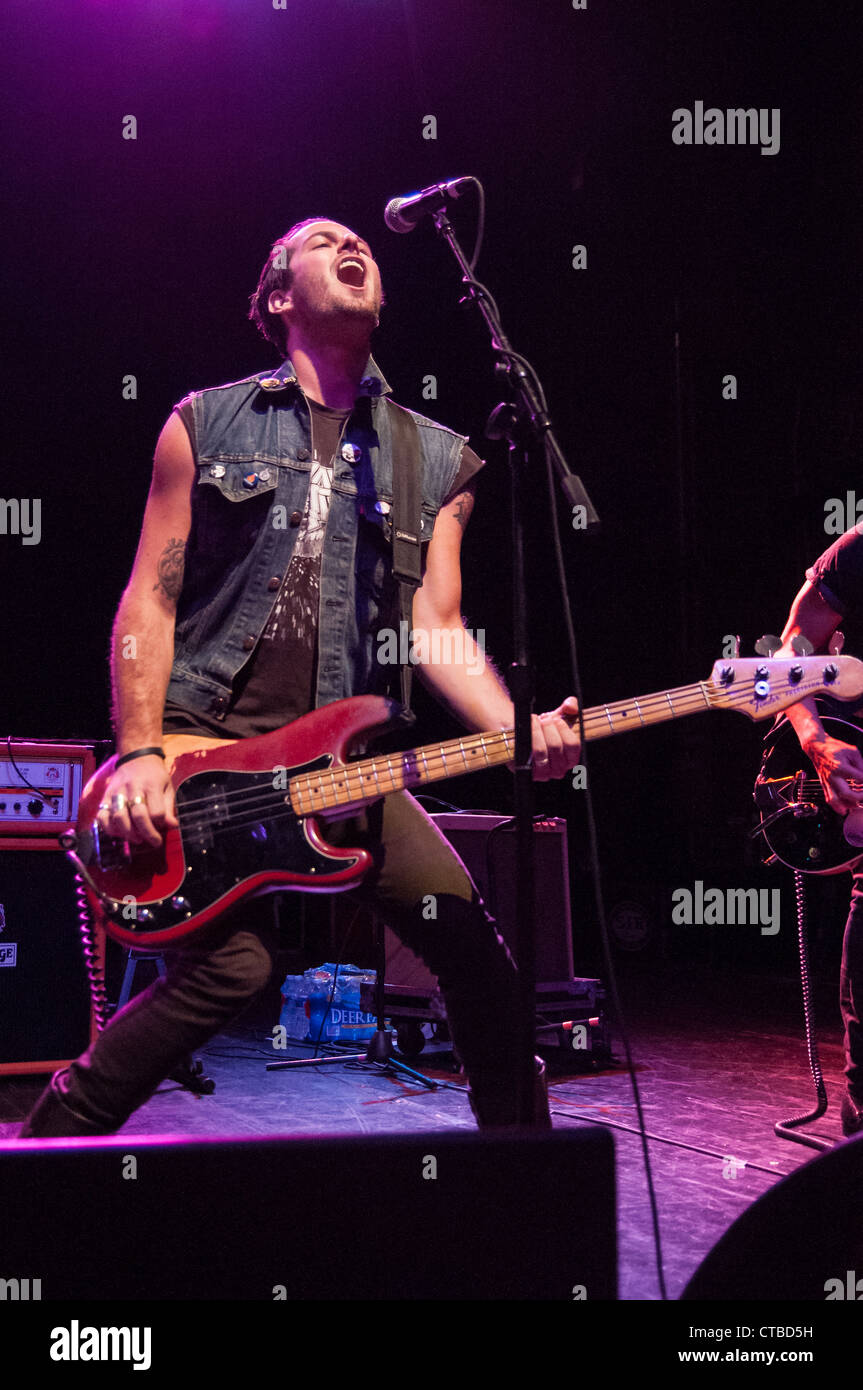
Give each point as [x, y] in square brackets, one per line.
[253, 469]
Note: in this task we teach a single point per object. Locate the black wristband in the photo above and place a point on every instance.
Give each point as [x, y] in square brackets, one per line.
[140, 753]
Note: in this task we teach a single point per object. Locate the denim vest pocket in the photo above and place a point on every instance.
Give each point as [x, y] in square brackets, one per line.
[239, 479]
[231, 506]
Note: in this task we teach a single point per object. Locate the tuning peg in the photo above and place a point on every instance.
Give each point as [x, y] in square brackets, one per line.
[801, 646]
[768, 644]
[837, 642]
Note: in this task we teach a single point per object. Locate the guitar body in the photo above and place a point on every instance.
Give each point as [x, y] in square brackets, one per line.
[811, 840]
[238, 835]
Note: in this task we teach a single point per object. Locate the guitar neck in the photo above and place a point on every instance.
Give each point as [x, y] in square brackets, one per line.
[366, 780]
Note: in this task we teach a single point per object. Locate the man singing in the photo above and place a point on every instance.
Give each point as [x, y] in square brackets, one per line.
[262, 578]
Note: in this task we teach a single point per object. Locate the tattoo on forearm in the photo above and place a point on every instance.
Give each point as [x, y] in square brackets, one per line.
[463, 508]
[170, 569]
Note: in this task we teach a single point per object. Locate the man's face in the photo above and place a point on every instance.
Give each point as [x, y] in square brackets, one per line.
[335, 279]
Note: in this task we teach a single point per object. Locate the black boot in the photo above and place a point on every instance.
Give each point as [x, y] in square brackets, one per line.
[493, 1100]
[52, 1117]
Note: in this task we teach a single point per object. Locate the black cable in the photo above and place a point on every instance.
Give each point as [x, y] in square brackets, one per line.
[596, 872]
[426, 797]
[95, 976]
[236, 1056]
[662, 1139]
[47, 800]
[480, 224]
[784, 1128]
[507, 355]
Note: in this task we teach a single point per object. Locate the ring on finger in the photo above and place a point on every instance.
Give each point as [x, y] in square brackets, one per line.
[137, 800]
[117, 804]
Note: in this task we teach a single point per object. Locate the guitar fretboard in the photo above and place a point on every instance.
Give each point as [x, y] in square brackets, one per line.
[370, 778]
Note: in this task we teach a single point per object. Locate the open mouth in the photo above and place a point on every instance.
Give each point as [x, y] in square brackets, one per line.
[351, 272]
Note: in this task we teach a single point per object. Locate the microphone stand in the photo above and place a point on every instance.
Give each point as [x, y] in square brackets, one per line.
[522, 419]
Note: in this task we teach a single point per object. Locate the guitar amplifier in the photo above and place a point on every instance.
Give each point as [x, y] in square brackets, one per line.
[40, 786]
[45, 1010]
[486, 846]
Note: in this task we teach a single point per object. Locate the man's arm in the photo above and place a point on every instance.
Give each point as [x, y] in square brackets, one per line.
[142, 647]
[457, 670]
[835, 762]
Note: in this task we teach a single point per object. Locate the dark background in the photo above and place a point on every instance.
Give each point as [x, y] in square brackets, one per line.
[139, 256]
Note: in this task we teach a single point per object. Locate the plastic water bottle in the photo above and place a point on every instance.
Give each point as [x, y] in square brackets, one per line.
[344, 1019]
[323, 1025]
[293, 1016]
[356, 1025]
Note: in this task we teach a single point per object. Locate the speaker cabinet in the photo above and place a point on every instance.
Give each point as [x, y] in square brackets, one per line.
[800, 1242]
[441, 1215]
[45, 1014]
[486, 845]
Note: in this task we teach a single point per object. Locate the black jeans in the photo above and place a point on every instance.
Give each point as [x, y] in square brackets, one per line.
[424, 893]
[851, 990]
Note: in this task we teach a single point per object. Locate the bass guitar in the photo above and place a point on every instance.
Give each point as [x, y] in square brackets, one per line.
[250, 810]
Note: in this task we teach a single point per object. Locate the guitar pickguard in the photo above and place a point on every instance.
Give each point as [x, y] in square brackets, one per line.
[235, 828]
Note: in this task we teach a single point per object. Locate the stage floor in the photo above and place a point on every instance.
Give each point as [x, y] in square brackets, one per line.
[720, 1058]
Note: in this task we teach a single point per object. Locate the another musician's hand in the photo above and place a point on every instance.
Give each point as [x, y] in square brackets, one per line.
[838, 766]
[556, 745]
[138, 802]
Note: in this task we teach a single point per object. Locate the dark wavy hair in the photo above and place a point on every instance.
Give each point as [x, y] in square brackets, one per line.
[276, 277]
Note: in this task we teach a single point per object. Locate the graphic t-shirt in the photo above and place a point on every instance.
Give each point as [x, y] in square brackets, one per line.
[278, 681]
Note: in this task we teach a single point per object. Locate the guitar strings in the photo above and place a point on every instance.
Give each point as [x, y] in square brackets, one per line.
[285, 811]
[595, 719]
[397, 767]
[391, 764]
[248, 799]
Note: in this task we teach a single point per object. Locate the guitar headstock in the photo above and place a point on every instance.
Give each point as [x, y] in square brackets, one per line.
[762, 686]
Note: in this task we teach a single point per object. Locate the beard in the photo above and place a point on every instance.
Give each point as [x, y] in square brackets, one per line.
[334, 311]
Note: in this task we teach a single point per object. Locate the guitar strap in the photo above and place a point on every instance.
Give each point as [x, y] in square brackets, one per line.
[407, 548]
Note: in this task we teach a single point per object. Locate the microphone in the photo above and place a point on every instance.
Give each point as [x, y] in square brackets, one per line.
[403, 214]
